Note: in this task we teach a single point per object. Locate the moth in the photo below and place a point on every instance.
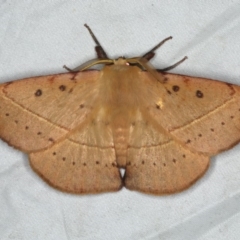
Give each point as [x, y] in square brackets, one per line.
[80, 128]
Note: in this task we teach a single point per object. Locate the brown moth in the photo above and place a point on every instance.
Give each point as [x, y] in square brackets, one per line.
[79, 128]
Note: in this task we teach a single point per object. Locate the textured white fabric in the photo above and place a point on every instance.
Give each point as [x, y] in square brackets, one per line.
[38, 37]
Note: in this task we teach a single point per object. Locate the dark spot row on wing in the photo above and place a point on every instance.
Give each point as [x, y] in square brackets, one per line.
[159, 163]
[26, 127]
[84, 163]
[210, 129]
[62, 88]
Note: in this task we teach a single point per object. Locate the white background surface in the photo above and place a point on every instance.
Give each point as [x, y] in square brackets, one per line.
[38, 37]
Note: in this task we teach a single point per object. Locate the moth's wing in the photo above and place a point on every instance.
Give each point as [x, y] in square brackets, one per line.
[202, 114]
[37, 112]
[84, 162]
[158, 164]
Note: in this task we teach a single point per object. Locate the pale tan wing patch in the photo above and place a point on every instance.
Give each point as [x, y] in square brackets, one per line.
[37, 112]
[201, 113]
[144, 132]
[159, 165]
[96, 131]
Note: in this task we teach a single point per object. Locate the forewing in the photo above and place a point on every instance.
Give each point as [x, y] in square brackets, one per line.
[37, 112]
[202, 114]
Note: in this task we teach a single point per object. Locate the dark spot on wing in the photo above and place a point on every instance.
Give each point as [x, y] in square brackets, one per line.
[51, 79]
[231, 87]
[199, 94]
[38, 93]
[62, 87]
[185, 79]
[165, 80]
[175, 88]
[73, 76]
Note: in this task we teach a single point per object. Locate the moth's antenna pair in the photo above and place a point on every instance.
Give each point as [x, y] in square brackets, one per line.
[149, 55]
[101, 54]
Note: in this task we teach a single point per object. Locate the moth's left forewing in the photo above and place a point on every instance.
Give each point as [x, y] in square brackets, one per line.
[202, 114]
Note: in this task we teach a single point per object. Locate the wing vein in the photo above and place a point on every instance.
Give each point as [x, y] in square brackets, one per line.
[203, 116]
[91, 146]
[35, 114]
[152, 146]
